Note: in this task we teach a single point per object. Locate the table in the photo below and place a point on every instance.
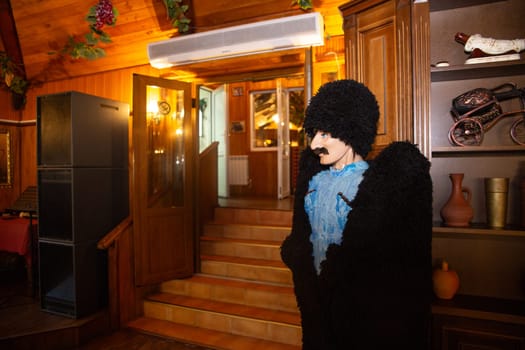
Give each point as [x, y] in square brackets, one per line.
[16, 237]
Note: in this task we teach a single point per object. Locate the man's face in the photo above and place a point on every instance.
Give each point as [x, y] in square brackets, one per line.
[331, 151]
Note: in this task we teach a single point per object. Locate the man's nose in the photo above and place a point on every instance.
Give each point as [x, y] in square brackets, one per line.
[316, 141]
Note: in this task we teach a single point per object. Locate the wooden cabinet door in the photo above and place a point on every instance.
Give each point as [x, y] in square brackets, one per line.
[163, 179]
[377, 40]
[451, 332]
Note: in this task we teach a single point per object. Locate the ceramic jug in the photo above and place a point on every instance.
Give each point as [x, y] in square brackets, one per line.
[445, 281]
[457, 211]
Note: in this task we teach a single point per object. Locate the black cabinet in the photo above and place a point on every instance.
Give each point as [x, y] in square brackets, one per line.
[73, 278]
[80, 130]
[81, 204]
[83, 192]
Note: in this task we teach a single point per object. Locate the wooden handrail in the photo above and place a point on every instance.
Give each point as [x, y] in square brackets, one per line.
[211, 148]
[113, 235]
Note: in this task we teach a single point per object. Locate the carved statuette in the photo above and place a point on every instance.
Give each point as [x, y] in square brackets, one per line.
[483, 49]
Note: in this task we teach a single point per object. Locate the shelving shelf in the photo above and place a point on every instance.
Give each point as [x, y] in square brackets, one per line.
[480, 307]
[478, 71]
[472, 150]
[478, 229]
[442, 5]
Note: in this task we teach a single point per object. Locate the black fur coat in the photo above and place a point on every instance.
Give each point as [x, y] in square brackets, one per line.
[375, 289]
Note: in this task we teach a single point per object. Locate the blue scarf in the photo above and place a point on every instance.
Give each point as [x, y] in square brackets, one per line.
[327, 205]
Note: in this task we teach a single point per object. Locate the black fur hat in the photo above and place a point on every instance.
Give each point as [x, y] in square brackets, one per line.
[347, 110]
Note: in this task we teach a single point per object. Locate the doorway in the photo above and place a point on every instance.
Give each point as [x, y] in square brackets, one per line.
[213, 109]
[258, 124]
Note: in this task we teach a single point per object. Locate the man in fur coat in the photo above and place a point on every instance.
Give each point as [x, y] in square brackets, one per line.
[360, 246]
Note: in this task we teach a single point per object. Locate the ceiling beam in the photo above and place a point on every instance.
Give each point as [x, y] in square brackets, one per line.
[9, 36]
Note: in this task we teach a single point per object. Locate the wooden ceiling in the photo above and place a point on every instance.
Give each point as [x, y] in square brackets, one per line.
[43, 27]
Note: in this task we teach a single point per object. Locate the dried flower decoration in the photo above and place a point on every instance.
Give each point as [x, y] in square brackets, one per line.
[12, 78]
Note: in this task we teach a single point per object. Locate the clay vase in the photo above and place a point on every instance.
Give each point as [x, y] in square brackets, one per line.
[457, 211]
[445, 282]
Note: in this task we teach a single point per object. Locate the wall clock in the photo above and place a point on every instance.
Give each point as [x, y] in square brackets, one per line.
[164, 107]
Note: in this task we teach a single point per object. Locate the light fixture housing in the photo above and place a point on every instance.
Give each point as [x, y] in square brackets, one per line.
[284, 33]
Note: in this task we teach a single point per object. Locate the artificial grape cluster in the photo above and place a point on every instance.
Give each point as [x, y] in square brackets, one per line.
[104, 14]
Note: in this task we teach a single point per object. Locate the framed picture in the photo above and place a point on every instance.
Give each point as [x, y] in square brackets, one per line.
[237, 127]
[5, 159]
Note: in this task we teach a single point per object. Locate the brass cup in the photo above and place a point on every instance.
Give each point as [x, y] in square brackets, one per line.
[496, 193]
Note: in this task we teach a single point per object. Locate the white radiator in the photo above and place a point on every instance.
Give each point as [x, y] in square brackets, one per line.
[238, 170]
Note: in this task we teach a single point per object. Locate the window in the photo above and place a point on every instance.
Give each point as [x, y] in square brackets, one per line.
[265, 119]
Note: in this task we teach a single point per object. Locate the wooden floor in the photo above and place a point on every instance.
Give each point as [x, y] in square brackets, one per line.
[128, 340]
[20, 314]
[257, 203]
[20, 311]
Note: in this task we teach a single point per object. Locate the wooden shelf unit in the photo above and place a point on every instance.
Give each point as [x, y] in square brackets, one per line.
[489, 309]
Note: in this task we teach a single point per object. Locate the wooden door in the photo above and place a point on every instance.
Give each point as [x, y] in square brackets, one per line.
[377, 40]
[163, 179]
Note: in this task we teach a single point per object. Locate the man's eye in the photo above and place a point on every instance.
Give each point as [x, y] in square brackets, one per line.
[325, 134]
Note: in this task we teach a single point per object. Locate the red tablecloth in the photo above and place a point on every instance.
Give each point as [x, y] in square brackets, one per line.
[15, 237]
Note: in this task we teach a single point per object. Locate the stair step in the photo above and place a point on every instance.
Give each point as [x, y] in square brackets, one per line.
[245, 231]
[253, 216]
[246, 268]
[242, 298]
[271, 296]
[204, 337]
[261, 323]
[244, 248]
[234, 309]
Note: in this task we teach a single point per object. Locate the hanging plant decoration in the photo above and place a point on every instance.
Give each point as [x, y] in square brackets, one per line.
[12, 77]
[303, 4]
[177, 15]
[101, 15]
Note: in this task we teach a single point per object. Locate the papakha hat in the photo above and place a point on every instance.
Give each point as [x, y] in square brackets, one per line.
[347, 110]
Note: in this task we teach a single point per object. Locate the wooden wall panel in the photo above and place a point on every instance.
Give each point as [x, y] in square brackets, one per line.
[6, 108]
[264, 165]
[115, 85]
[27, 156]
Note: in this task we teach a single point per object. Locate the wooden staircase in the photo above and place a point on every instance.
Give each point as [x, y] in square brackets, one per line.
[243, 297]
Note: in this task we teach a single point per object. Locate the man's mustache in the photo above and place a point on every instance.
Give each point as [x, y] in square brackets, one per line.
[320, 150]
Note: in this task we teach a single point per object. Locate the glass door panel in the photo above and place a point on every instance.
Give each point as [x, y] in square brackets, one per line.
[165, 130]
[283, 141]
